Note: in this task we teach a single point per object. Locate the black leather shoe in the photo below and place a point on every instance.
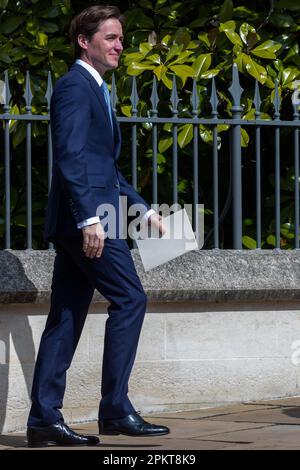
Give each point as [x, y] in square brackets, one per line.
[57, 434]
[131, 425]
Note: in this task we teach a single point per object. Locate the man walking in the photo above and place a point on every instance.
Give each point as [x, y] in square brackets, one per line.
[86, 145]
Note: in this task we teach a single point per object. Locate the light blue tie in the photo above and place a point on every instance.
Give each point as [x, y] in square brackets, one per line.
[108, 103]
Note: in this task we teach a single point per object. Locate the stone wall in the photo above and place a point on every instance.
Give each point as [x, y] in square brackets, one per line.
[221, 326]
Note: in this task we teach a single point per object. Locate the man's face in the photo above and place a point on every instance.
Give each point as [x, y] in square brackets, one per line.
[104, 49]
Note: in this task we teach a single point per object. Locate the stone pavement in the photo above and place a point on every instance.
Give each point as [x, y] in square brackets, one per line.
[270, 425]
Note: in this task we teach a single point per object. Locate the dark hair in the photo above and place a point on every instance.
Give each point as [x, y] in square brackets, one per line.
[88, 21]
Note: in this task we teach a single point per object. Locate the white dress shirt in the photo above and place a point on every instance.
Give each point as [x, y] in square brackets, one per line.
[99, 80]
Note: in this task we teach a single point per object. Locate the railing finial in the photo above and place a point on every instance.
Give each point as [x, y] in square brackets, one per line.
[276, 101]
[257, 99]
[113, 94]
[154, 97]
[174, 97]
[214, 99]
[235, 89]
[28, 94]
[134, 97]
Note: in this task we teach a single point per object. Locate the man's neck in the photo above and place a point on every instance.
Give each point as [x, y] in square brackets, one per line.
[90, 62]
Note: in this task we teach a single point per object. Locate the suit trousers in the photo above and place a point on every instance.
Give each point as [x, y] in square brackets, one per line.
[74, 279]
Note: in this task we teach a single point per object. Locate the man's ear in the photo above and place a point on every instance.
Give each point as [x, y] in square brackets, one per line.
[82, 41]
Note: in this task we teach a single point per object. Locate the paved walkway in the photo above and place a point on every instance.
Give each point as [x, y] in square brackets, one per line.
[273, 424]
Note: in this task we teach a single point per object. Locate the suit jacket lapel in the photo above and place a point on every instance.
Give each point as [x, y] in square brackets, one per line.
[95, 87]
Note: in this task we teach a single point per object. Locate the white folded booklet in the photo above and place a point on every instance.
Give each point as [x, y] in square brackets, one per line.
[178, 239]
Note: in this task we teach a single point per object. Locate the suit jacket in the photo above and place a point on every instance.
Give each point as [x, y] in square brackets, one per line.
[85, 152]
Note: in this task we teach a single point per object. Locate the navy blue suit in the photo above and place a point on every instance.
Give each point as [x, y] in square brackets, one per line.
[85, 174]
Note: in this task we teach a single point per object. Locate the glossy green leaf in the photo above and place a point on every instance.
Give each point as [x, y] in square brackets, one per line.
[271, 72]
[49, 27]
[168, 126]
[154, 58]
[10, 24]
[245, 29]
[193, 45]
[206, 134]
[166, 80]
[160, 158]
[293, 55]
[183, 71]
[165, 142]
[289, 75]
[126, 110]
[244, 138]
[133, 57]
[5, 58]
[222, 127]
[271, 239]
[173, 51]
[182, 58]
[227, 26]
[13, 123]
[159, 71]
[267, 49]
[136, 68]
[210, 73]
[226, 11]
[203, 37]
[166, 39]
[42, 39]
[145, 47]
[249, 242]
[287, 230]
[250, 115]
[32, 26]
[59, 66]
[182, 186]
[20, 77]
[201, 64]
[253, 68]
[58, 44]
[35, 59]
[185, 135]
[233, 37]
[278, 65]
[241, 61]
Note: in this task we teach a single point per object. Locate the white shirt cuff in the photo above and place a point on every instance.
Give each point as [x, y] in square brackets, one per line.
[146, 216]
[90, 221]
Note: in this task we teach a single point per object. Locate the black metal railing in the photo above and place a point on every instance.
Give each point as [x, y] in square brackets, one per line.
[235, 123]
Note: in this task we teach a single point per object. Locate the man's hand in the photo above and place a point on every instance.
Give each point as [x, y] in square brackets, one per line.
[93, 240]
[157, 222]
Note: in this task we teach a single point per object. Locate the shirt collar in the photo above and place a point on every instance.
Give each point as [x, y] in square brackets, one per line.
[91, 70]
